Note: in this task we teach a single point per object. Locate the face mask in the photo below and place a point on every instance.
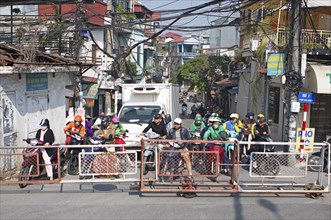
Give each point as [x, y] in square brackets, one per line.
[43, 128]
[77, 123]
[215, 126]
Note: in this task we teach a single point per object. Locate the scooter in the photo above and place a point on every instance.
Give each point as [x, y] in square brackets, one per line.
[315, 160]
[150, 152]
[266, 164]
[196, 159]
[29, 166]
[72, 153]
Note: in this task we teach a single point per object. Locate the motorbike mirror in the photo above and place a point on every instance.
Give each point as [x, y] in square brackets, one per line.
[168, 118]
[270, 122]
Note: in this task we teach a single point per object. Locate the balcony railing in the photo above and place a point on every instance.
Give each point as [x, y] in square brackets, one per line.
[188, 54]
[309, 38]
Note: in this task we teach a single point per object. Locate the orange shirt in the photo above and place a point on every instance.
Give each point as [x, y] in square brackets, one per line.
[72, 128]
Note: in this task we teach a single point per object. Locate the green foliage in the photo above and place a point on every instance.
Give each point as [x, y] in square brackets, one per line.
[196, 71]
[199, 68]
[219, 65]
[260, 52]
[124, 13]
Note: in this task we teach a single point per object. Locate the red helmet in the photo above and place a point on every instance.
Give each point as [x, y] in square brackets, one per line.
[78, 118]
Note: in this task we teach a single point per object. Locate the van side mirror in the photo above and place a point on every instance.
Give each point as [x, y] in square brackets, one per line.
[167, 119]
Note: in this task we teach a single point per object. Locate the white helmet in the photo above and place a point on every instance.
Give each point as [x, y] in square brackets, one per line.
[178, 121]
[234, 115]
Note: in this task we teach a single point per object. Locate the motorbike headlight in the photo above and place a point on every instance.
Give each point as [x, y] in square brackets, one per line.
[34, 142]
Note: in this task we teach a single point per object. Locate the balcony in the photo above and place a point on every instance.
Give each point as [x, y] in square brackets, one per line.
[309, 38]
[188, 54]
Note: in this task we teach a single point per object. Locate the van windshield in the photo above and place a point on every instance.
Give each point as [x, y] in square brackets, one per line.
[142, 114]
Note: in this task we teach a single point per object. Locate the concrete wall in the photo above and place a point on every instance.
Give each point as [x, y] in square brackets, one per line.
[23, 110]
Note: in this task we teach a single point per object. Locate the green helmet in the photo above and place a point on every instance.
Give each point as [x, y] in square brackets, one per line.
[217, 119]
[198, 118]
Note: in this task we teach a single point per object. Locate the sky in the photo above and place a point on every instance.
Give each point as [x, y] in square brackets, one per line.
[160, 5]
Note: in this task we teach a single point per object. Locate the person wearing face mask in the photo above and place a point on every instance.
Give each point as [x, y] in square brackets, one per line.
[46, 135]
[217, 132]
[75, 127]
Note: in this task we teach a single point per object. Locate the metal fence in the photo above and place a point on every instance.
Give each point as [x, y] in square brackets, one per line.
[168, 170]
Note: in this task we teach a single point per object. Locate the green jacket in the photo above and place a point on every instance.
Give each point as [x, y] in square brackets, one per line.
[193, 127]
[118, 129]
[212, 134]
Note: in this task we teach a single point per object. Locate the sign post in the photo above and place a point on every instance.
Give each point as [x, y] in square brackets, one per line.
[306, 98]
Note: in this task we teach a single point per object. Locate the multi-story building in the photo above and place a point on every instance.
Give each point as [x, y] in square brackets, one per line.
[265, 29]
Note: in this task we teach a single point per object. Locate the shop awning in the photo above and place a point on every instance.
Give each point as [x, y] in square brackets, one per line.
[319, 78]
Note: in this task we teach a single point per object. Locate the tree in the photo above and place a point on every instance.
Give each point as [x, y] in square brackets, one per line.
[203, 70]
[195, 70]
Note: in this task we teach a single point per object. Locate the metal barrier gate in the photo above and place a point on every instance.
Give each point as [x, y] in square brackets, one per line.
[168, 171]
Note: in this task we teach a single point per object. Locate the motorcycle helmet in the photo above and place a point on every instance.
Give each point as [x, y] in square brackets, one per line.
[105, 120]
[198, 117]
[78, 118]
[260, 116]
[215, 115]
[115, 120]
[178, 121]
[234, 115]
[250, 115]
[44, 122]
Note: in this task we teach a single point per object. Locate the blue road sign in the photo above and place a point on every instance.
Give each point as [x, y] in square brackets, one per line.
[306, 97]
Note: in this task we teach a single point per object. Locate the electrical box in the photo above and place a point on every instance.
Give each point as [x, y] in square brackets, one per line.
[295, 107]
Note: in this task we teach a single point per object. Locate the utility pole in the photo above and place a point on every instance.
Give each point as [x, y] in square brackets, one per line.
[78, 92]
[294, 58]
[109, 49]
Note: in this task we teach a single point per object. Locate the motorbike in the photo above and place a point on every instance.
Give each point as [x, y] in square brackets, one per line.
[150, 152]
[315, 161]
[196, 159]
[29, 166]
[266, 164]
[72, 153]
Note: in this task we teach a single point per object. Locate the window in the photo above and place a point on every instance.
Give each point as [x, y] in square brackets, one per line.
[320, 117]
[273, 104]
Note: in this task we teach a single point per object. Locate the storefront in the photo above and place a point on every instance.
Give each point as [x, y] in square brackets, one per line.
[318, 78]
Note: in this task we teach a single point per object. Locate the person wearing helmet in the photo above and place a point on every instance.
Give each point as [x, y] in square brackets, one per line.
[178, 132]
[202, 133]
[75, 127]
[107, 129]
[46, 135]
[232, 124]
[260, 129]
[217, 132]
[119, 130]
[157, 125]
[259, 117]
[197, 125]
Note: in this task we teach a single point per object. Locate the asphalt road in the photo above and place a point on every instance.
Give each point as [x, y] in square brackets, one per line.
[108, 201]
[116, 201]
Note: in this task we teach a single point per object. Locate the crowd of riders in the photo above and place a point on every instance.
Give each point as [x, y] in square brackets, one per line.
[107, 127]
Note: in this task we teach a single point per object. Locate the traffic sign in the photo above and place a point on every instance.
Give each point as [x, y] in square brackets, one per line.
[306, 97]
[308, 137]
